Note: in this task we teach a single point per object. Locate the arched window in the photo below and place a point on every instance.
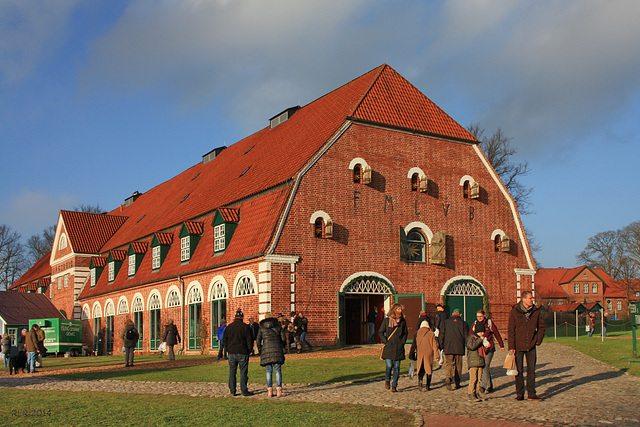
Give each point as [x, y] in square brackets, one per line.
[318, 226]
[173, 300]
[415, 182]
[63, 241]
[357, 174]
[497, 243]
[123, 307]
[245, 286]
[465, 189]
[416, 246]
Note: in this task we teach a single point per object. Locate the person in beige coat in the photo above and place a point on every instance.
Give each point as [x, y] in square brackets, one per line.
[424, 351]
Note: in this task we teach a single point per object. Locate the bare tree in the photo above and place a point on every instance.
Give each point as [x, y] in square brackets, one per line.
[631, 243]
[498, 150]
[605, 250]
[88, 209]
[39, 245]
[12, 261]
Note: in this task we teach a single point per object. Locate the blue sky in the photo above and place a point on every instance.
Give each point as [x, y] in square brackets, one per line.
[100, 99]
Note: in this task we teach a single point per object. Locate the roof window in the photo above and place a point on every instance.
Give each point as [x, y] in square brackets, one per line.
[283, 117]
[212, 155]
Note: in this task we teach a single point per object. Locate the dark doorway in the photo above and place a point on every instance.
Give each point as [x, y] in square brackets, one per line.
[356, 309]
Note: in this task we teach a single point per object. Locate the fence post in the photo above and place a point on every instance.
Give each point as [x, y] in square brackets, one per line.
[602, 324]
[577, 326]
[555, 325]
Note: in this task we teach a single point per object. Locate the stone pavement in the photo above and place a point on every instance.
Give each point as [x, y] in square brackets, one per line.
[578, 390]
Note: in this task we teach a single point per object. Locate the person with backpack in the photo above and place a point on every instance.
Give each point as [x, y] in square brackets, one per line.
[130, 337]
[491, 332]
[171, 337]
[475, 360]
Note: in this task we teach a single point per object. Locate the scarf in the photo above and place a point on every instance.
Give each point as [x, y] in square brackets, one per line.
[393, 322]
[526, 311]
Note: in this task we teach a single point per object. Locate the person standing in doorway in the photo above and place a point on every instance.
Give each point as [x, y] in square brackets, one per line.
[130, 337]
[491, 334]
[393, 334]
[454, 333]
[238, 341]
[526, 331]
[371, 322]
[171, 337]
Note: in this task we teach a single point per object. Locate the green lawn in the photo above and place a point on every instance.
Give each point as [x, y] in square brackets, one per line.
[614, 351]
[297, 371]
[29, 407]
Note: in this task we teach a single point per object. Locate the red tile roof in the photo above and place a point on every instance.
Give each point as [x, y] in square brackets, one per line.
[139, 247]
[229, 215]
[548, 280]
[164, 238]
[194, 227]
[41, 269]
[99, 261]
[118, 255]
[88, 232]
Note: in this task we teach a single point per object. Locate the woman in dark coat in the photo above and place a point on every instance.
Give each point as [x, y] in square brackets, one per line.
[393, 334]
[6, 348]
[171, 337]
[129, 340]
[270, 340]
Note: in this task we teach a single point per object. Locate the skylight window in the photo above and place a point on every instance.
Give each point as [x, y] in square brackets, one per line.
[251, 148]
[185, 198]
[197, 175]
[142, 217]
[245, 171]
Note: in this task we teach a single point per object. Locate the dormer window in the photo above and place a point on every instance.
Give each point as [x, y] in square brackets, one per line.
[159, 248]
[112, 271]
[132, 265]
[225, 221]
[185, 248]
[189, 238]
[114, 262]
[96, 266]
[93, 277]
[136, 253]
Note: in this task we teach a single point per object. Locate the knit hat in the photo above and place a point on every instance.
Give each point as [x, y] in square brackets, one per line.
[239, 314]
[456, 311]
[479, 328]
[223, 321]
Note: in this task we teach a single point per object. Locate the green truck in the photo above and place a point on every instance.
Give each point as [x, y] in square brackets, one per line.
[61, 335]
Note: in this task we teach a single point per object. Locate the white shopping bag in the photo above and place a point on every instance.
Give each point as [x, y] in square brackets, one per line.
[411, 369]
[162, 347]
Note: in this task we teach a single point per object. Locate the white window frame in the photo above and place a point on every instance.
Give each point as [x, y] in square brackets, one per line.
[155, 257]
[62, 244]
[132, 265]
[585, 288]
[93, 277]
[219, 238]
[59, 282]
[576, 288]
[112, 271]
[66, 280]
[594, 288]
[185, 248]
[619, 305]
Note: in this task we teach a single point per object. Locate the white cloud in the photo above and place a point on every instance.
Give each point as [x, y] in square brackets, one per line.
[30, 212]
[30, 33]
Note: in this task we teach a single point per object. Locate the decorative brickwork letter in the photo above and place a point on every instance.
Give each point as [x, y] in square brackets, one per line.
[416, 208]
[445, 208]
[355, 198]
[390, 200]
[472, 213]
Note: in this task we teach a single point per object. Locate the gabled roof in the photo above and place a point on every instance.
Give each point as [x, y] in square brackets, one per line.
[17, 308]
[40, 270]
[164, 238]
[548, 281]
[229, 215]
[88, 232]
[139, 247]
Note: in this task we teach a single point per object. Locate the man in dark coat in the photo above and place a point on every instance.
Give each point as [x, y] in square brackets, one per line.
[300, 324]
[238, 341]
[453, 335]
[255, 328]
[130, 337]
[526, 331]
[440, 318]
[171, 337]
[31, 344]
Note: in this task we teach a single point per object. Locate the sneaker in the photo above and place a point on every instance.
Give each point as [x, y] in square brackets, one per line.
[535, 398]
[518, 397]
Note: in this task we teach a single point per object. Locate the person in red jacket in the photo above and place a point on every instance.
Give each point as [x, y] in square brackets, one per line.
[526, 331]
[486, 384]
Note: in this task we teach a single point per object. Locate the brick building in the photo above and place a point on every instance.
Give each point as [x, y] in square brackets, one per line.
[563, 289]
[368, 195]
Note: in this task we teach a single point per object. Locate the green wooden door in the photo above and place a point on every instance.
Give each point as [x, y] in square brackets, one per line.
[195, 317]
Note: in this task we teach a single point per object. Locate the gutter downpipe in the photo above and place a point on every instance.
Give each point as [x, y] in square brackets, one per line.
[182, 312]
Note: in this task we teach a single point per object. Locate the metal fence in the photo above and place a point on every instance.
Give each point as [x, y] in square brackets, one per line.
[573, 324]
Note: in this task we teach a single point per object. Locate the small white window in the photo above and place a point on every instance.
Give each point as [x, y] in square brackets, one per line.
[185, 248]
[585, 288]
[576, 288]
[609, 306]
[66, 280]
[112, 271]
[155, 257]
[619, 305]
[63, 241]
[93, 277]
[132, 265]
[60, 282]
[594, 288]
[218, 238]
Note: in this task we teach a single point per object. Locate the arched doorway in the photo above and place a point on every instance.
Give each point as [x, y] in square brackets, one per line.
[357, 298]
[467, 295]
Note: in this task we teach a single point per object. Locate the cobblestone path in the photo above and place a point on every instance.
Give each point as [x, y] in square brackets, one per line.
[578, 390]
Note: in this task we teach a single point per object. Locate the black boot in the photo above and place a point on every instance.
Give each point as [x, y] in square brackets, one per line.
[428, 382]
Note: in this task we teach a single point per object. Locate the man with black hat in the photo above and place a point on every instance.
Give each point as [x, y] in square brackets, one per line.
[238, 341]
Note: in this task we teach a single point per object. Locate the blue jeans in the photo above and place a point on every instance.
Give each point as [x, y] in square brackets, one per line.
[303, 340]
[5, 358]
[392, 365]
[31, 361]
[236, 360]
[270, 368]
[372, 332]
